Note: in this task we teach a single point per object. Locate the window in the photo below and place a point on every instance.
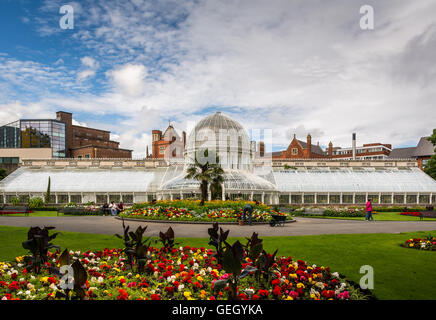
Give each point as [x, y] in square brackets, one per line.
[161, 150]
[87, 156]
[294, 151]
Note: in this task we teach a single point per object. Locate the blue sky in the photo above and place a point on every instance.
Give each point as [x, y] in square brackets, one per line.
[290, 66]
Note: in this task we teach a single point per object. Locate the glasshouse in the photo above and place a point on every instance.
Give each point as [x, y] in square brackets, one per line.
[132, 181]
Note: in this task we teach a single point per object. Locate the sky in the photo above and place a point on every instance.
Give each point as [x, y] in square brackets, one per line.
[293, 66]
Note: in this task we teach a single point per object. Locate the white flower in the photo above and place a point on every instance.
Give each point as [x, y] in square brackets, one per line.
[4, 298]
[100, 280]
[335, 274]
[53, 287]
[27, 292]
[180, 287]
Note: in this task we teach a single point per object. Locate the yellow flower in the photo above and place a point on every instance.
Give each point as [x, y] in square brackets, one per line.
[300, 285]
[199, 278]
[44, 279]
[117, 270]
[294, 276]
[289, 298]
[138, 276]
[187, 294]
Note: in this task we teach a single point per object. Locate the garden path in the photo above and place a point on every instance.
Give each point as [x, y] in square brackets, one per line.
[303, 226]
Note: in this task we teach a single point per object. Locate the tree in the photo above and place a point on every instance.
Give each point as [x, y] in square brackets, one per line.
[3, 173]
[430, 167]
[207, 173]
[47, 195]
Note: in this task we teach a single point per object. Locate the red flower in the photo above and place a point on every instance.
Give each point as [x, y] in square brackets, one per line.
[275, 282]
[155, 297]
[277, 290]
[122, 294]
[13, 285]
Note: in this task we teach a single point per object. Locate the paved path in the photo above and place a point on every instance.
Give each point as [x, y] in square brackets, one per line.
[303, 226]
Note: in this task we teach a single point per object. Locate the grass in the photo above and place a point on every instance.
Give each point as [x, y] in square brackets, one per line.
[36, 214]
[399, 273]
[379, 216]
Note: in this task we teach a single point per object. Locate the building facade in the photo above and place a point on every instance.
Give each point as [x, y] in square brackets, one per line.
[168, 145]
[84, 142]
[298, 149]
[423, 151]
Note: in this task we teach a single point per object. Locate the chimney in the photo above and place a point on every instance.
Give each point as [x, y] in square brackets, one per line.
[184, 139]
[331, 149]
[309, 145]
[354, 145]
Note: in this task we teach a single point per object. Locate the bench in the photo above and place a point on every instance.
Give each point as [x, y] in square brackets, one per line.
[277, 220]
[15, 209]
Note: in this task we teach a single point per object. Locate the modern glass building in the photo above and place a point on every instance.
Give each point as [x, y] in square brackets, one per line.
[35, 134]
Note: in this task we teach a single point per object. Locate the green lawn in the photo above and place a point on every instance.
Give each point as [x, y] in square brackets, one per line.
[380, 216]
[400, 273]
[37, 214]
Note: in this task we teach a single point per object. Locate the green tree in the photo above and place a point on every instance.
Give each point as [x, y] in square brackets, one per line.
[206, 173]
[430, 167]
[47, 194]
[3, 173]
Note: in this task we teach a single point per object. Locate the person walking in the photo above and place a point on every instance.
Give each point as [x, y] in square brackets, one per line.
[369, 211]
[248, 208]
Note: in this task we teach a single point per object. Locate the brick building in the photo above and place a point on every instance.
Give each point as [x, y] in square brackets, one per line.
[298, 149]
[422, 152]
[84, 142]
[168, 145]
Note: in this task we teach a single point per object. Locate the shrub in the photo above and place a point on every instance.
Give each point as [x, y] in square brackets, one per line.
[36, 203]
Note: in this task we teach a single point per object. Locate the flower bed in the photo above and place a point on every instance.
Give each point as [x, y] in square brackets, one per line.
[331, 212]
[143, 272]
[427, 243]
[183, 274]
[230, 211]
[411, 213]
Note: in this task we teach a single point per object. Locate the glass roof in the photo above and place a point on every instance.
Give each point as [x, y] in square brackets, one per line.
[348, 180]
[118, 180]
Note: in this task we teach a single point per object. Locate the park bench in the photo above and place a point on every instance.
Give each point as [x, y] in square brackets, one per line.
[277, 220]
[70, 211]
[15, 210]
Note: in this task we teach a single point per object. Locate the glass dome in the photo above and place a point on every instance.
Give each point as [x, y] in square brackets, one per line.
[222, 136]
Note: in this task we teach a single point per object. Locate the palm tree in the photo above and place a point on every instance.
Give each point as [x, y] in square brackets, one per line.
[205, 173]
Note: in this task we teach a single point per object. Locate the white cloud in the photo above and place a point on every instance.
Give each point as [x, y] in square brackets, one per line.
[129, 79]
[286, 65]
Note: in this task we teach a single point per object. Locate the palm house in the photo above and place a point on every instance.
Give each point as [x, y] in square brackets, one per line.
[284, 181]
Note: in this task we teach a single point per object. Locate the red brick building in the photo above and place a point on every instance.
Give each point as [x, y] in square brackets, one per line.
[84, 142]
[168, 144]
[298, 149]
